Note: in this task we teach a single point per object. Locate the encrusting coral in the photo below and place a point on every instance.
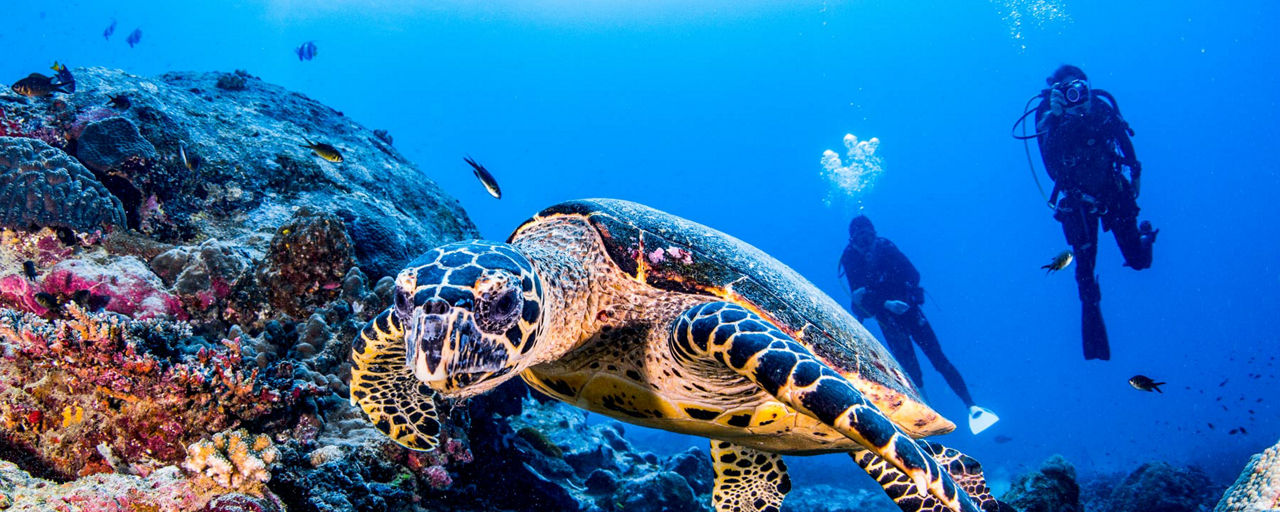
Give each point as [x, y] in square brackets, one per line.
[1258, 487]
[42, 186]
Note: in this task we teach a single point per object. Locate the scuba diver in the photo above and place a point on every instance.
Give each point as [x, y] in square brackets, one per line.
[1085, 145]
[886, 286]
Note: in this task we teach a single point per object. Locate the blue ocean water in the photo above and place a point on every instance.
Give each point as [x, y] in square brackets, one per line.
[720, 112]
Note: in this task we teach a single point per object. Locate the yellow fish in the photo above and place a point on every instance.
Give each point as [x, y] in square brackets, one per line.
[323, 150]
[1059, 262]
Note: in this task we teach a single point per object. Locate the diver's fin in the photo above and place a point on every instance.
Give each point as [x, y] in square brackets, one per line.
[1094, 332]
[747, 480]
[981, 418]
[384, 387]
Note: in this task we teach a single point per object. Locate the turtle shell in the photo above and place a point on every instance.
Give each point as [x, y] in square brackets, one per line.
[675, 254]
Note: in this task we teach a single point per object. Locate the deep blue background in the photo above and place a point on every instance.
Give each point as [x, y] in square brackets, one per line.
[720, 113]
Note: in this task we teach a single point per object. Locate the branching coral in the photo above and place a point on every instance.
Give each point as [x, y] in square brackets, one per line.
[1258, 488]
[146, 407]
[234, 459]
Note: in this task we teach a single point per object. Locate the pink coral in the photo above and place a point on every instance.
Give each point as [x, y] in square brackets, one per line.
[133, 289]
[438, 477]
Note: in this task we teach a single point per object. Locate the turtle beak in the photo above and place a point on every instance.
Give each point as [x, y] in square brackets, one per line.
[449, 353]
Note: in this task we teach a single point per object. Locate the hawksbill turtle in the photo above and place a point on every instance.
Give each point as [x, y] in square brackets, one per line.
[655, 320]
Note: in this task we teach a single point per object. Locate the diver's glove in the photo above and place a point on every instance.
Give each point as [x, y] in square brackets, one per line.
[858, 295]
[896, 307]
[1057, 102]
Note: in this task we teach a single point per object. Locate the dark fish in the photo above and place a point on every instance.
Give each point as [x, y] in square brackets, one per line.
[1210, 426]
[37, 85]
[97, 302]
[1059, 262]
[1144, 383]
[80, 297]
[306, 51]
[1242, 431]
[64, 78]
[1223, 383]
[323, 150]
[120, 102]
[486, 179]
[1002, 439]
[1233, 431]
[29, 269]
[111, 29]
[47, 301]
[134, 37]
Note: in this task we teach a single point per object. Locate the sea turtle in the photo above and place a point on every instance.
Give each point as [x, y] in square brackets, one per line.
[652, 319]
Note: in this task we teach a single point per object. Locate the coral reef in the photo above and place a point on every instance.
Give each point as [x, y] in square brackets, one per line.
[244, 172]
[1258, 487]
[306, 262]
[825, 498]
[42, 186]
[1051, 489]
[166, 488]
[1162, 487]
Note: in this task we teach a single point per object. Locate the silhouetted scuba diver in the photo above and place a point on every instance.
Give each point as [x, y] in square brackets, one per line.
[1085, 145]
[886, 286]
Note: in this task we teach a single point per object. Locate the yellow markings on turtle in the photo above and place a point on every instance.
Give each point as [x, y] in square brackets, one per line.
[563, 386]
[770, 413]
[747, 480]
[610, 394]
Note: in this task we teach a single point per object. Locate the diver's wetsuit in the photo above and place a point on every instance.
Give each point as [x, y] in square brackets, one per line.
[1084, 154]
[886, 274]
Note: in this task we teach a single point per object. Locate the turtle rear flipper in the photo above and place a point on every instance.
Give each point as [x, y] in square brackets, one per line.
[964, 470]
[747, 480]
[754, 348]
[384, 388]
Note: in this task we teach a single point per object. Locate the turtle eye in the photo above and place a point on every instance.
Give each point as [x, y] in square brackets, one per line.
[498, 311]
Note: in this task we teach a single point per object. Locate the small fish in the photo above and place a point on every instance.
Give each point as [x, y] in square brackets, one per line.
[306, 51]
[1224, 382]
[37, 85]
[80, 297]
[1002, 439]
[1233, 431]
[1144, 383]
[323, 150]
[97, 302]
[1210, 426]
[64, 78]
[47, 301]
[1243, 431]
[29, 269]
[120, 102]
[1059, 262]
[134, 37]
[485, 178]
[192, 162]
[111, 29]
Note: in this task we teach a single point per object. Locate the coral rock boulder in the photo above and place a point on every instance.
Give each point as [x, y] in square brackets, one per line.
[42, 186]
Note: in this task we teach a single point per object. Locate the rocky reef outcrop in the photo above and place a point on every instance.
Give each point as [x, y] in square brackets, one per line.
[1051, 489]
[1258, 487]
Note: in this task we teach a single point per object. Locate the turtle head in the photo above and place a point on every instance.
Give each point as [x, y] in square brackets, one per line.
[471, 313]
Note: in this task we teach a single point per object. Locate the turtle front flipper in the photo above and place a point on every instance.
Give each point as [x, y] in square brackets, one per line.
[747, 480]
[966, 471]
[385, 389]
[963, 469]
[756, 349]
